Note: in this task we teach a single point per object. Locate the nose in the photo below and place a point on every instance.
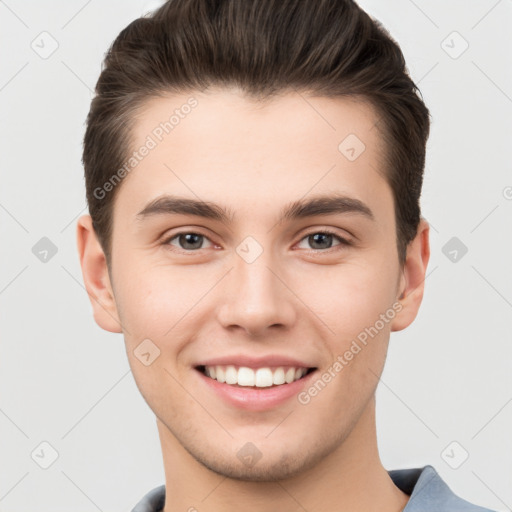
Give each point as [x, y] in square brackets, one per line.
[257, 297]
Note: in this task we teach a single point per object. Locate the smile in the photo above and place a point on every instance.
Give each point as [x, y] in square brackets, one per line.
[257, 377]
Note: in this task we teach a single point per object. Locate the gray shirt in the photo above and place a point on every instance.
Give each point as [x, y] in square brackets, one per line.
[427, 491]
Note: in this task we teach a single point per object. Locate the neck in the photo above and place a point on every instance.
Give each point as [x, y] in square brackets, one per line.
[351, 478]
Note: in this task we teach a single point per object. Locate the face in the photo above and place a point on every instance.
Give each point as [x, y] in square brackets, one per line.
[252, 286]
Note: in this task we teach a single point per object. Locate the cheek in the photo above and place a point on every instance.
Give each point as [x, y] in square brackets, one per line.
[151, 303]
[349, 297]
[351, 302]
[152, 300]
[159, 301]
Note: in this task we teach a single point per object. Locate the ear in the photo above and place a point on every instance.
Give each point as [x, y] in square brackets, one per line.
[412, 280]
[95, 275]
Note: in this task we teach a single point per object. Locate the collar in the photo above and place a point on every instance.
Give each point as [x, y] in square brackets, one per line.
[425, 487]
[429, 492]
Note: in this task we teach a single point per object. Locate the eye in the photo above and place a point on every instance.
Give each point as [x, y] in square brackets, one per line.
[188, 241]
[323, 239]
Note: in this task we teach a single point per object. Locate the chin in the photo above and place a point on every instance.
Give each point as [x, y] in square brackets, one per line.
[262, 468]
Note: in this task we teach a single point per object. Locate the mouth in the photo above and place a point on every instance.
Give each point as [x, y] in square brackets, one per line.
[246, 377]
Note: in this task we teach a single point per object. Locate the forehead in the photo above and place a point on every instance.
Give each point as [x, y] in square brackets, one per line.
[222, 146]
[219, 113]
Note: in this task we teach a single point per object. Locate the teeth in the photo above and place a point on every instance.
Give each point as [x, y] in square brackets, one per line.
[278, 376]
[261, 378]
[246, 377]
[221, 374]
[290, 375]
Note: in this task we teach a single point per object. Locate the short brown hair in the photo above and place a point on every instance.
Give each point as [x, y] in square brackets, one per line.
[329, 47]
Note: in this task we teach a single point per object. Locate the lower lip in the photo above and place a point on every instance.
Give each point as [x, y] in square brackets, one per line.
[256, 399]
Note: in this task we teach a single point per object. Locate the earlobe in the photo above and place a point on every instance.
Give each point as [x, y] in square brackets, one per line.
[412, 281]
[95, 275]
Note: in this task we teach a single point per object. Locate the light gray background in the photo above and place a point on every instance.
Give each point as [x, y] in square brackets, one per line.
[65, 381]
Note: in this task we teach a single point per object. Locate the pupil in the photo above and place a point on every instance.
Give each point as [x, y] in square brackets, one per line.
[314, 239]
[189, 239]
[193, 240]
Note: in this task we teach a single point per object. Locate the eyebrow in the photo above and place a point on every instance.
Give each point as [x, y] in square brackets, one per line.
[303, 208]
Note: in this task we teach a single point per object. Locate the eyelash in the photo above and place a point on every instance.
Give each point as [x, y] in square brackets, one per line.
[343, 242]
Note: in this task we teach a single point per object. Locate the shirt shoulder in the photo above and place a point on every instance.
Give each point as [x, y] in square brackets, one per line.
[153, 501]
[428, 491]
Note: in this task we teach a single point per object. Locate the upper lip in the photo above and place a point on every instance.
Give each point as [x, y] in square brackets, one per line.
[255, 362]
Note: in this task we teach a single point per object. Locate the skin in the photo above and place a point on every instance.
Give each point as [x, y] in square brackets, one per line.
[296, 298]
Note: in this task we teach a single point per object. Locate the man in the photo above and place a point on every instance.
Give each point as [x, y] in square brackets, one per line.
[253, 173]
